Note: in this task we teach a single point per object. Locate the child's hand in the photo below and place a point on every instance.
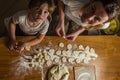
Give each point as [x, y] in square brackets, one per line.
[12, 45]
[20, 47]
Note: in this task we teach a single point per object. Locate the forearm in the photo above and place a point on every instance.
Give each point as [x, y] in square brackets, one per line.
[61, 12]
[34, 41]
[12, 28]
[80, 30]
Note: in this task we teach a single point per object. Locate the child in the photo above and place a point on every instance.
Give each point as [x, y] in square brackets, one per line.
[80, 14]
[33, 21]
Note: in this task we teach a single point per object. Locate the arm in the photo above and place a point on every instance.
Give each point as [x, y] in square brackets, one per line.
[35, 41]
[60, 26]
[12, 27]
[74, 35]
[31, 42]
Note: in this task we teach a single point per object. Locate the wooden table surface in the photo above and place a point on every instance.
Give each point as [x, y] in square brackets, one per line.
[107, 64]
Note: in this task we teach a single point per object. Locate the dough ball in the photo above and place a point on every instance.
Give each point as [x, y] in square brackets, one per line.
[64, 59]
[58, 52]
[28, 48]
[56, 60]
[47, 57]
[58, 72]
[61, 44]
[77, 60]
[81, 47]
[48, 63]
[69, 46]
[51, 51]
[71, 60]
[64, 53]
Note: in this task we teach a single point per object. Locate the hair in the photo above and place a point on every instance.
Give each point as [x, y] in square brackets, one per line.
[37, 3]
[112, 8]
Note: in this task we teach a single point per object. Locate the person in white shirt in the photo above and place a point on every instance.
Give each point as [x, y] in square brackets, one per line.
[82, 14]
[29, 22]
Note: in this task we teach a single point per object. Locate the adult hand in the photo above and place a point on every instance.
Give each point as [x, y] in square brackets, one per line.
[12, 45]
[72, 36]
[60, 29]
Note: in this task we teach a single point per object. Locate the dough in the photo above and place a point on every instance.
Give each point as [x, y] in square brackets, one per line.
[61, 44]
[48, 63]
[68, 53]
[27, 48]
[81, 47]
[56, 60]
[87, 48]
[58, 72]
[69, 46]
[92, 50]
[64, 59]
[64, 53]
[47, 57]
[58, 52]
[77, 60]
[51, 51]
[70, 60]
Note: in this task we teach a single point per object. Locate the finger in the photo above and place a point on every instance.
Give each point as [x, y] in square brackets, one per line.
[63, 32]
[70, 38]
[16, 43]
[58, 33]
[10, 47]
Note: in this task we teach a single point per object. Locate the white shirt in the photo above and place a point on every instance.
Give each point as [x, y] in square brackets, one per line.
[21, 19]
[72, 9]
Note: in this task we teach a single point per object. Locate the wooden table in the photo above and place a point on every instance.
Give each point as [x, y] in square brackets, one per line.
[107, 64]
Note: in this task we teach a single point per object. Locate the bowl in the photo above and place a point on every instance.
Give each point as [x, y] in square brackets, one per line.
[113, 28]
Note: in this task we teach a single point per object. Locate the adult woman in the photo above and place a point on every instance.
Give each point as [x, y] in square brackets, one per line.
[83, 13]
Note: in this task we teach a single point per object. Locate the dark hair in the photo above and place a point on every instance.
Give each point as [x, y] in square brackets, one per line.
[112, 8]
[37, 3]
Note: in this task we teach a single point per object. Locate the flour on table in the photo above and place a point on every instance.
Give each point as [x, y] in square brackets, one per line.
[45, 57]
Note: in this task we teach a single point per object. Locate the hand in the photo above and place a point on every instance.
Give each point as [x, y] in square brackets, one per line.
[12, 45]
[60, 29]
[20, 47]
[72, 36]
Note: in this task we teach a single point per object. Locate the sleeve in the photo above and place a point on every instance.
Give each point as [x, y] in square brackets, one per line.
[74, 3]
[16, 17]
[66, 2]
[44, 28]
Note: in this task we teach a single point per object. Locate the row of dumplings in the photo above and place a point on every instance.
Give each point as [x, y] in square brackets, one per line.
[47, 57]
